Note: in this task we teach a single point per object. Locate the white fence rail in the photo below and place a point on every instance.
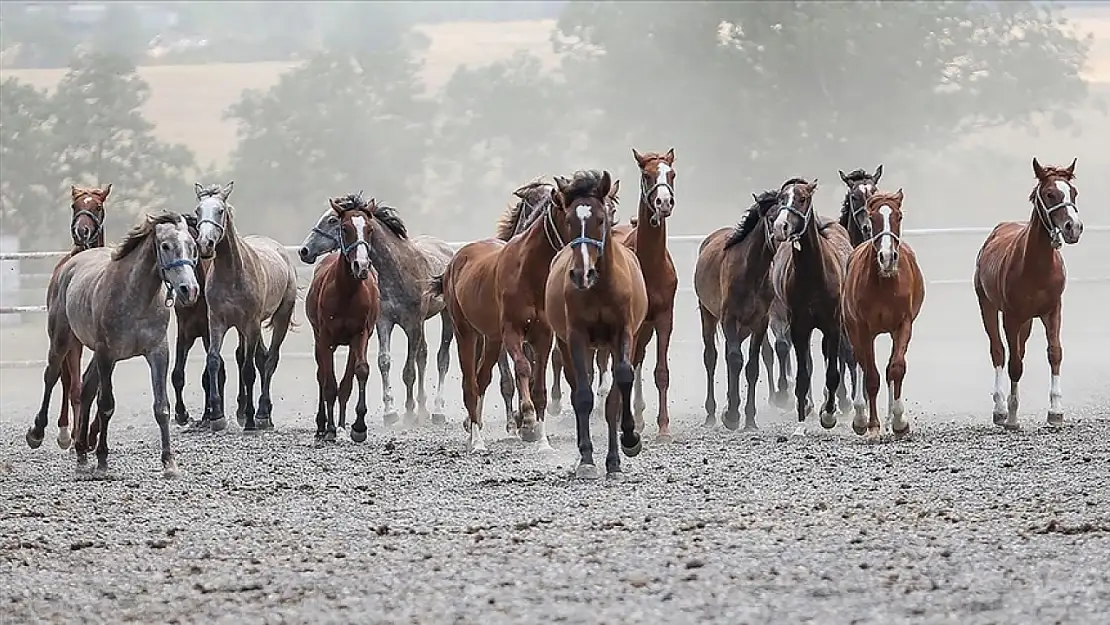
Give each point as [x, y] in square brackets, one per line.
[680, 239]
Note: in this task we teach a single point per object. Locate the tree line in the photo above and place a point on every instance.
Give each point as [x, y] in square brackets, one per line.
[747, 93]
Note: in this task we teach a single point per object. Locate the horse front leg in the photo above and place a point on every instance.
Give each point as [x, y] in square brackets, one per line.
[267, 358]
[71, 395]
[346, 384]
[865, 354]
[800, 339]
[421, 368]
[751, 373]
[663, 328]
[555, 406]
[159, 362]
[90, 387]
[895, 373]
[443, 363]
[782, 354]
[623, 377]
[362, 374]
[830, 349]
[582, 397]
[325, 383]
[709, 355]
[1017, 332]
[385, 361]
[105, 408]
[1051, 323]
[182, 345]
[638, 351]
[213, 362]
[767, 353]
[541, 340]
[414, 336]
[513, 341]
[508, 390]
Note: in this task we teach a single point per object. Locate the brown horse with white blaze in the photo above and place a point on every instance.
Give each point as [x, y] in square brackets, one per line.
[1020, 273]
[596, 297]
[882, 294]
[342, 305]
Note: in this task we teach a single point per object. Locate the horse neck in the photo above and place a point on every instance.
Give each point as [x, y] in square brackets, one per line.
[391, 257]
[811, 256]
[651, 240]
[537, 247]
[760, 254]
[1036, 246]
[607, 264]
[345, 281]
[229, 251]
[143, 275]
[855, 235]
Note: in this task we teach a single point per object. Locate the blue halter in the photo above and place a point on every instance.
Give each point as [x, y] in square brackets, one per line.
[173, 264]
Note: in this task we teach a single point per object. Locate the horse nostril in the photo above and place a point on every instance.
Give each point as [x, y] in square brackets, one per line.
[591, 275]
[576, 276]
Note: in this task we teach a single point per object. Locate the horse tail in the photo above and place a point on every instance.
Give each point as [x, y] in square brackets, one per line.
[435, 285]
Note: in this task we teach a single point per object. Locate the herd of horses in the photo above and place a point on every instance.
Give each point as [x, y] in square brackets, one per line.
[563, 282]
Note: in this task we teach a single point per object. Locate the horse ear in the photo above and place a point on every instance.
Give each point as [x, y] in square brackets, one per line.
[878, 173]
[899, 195]
[1038, 171]
[105, 191]
[606, 184]
[226, 191]
[843, 177]
[639, 157]
[198, 188]
[371, 205]
[669, 157]
[73, 191]
[1071, 168]
[561, 184]
[333, 202]
[755, 198]
[556, 194]
[612, 195]
[812, 186]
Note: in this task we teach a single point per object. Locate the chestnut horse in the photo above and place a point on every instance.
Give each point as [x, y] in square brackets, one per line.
[732, 282]
[596, 297]
[647, 237]
[807, 276]
[86, 229]
[342, 306]
[883, 293]
[494, 292]
[1020, 273]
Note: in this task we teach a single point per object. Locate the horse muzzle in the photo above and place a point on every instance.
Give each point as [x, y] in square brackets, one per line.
[583, 279]
[186, 294]
[1071, 231]
[306, 255]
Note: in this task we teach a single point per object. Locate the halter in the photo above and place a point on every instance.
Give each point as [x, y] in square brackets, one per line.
[854, 210]
[1045, 213]
[550, 228]
[796, 236]
[221, 227]
[646, 189]
[173, 264]
[329, 236]
[585, 240]
[98, 221]
[347, 249]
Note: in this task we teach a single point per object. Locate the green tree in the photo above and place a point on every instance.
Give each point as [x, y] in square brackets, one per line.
[501, 125]
[765, 90]
[28, 166]
[335, 125]
[101, 136]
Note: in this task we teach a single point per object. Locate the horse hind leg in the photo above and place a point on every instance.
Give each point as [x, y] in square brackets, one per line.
[59, 350]
[1016, 335]
[989, 314]
[895, 374]
[346, 386]
[279, 323]
[385, 363]
[362, 374]
[247, 376]
[71, 396]
[508, 391]
[847, 366]
[782, 354]
[555, 405]
[90, 386]
[421, 369]
[443, 363]
[182, 345]
[709, 325]
[414, 336]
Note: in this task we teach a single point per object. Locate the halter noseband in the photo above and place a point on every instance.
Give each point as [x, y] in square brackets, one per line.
[646, 191]
[173, 264]
[854, 210]
[598, 243]
[796, 236]
[222, 227]
[97, 220]
[1045, 213]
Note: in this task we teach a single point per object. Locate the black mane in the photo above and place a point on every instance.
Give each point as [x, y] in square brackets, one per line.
[389, 218]
[585, 183]
[756, 212]
[142, 230]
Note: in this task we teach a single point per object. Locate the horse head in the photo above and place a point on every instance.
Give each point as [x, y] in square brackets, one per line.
[212, 215]
[583, 202]
[793, 213]
[656, 183]
[854, 210]
[356, 226]
[1054, 202]
[884, 213]
[86, 226]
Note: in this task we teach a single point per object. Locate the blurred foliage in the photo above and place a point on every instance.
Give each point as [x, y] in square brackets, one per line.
[89, 131]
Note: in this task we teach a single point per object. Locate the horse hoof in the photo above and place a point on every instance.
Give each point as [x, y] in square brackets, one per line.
[530, 433]
[614, 476]
[64, 439]
[438, 418]
[329, 436]
[358, 436]
[999, 418]
[859, 429]
[750, 426]
[100, 472]
[1056, 419]
[170, 470]
[182, 418]
[731, 422]
[218, 425]
[710, 421]
[554, 409]
[872, 435]
[241, 420]
[34, 441]
[1011, 427]
[264, 423]
[635, 448]
[828, 420]
[586, 472]
[664, 438]
[901, 434]
[390, 418]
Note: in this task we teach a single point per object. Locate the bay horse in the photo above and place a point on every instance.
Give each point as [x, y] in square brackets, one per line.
[86, 229]
[596, 297]
[807, 275]
[116, 302]
[251, 279]
[883, 293]
[732, 283]
[342, 306]
[1020, 273]
[403, 265]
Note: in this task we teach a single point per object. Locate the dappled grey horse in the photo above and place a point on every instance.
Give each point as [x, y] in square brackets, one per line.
[404, 266]
[117, 303]
[251, 280]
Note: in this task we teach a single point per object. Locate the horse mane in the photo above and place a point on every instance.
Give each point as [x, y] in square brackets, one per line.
[506, 223]
[856, 175]
[750, 219]
[211, 190]
[140, 231]
[585, 183]
[1051, 172]
[793, 181]
[391, 219]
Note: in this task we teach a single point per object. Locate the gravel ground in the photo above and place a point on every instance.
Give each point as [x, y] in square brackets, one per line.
[962, 523]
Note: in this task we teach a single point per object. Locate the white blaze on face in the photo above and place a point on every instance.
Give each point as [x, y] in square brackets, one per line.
[782, 222]
[359, 222]
[662, 191]
[886, 244]
[865, 190]
[583, 212]
[1065, 189]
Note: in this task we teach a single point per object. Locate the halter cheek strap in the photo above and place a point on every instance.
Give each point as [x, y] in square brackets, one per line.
[329, 236]
[554, 239]
[1045, 213]
[219, 226]
[99, 223]
[173, 264]
[646, 189]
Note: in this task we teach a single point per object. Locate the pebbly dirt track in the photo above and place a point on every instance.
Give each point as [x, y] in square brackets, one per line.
[963, 523]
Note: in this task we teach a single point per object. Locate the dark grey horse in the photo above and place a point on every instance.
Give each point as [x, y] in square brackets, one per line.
[404, 266]
[117, 303]
[251, 280]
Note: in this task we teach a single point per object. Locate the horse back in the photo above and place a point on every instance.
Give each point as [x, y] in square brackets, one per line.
[1001, 270]
[469, 284]
[708, 271]
[273, 270]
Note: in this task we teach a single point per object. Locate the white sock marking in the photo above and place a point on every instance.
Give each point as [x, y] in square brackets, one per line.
[1055, 396]
[999, 394]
